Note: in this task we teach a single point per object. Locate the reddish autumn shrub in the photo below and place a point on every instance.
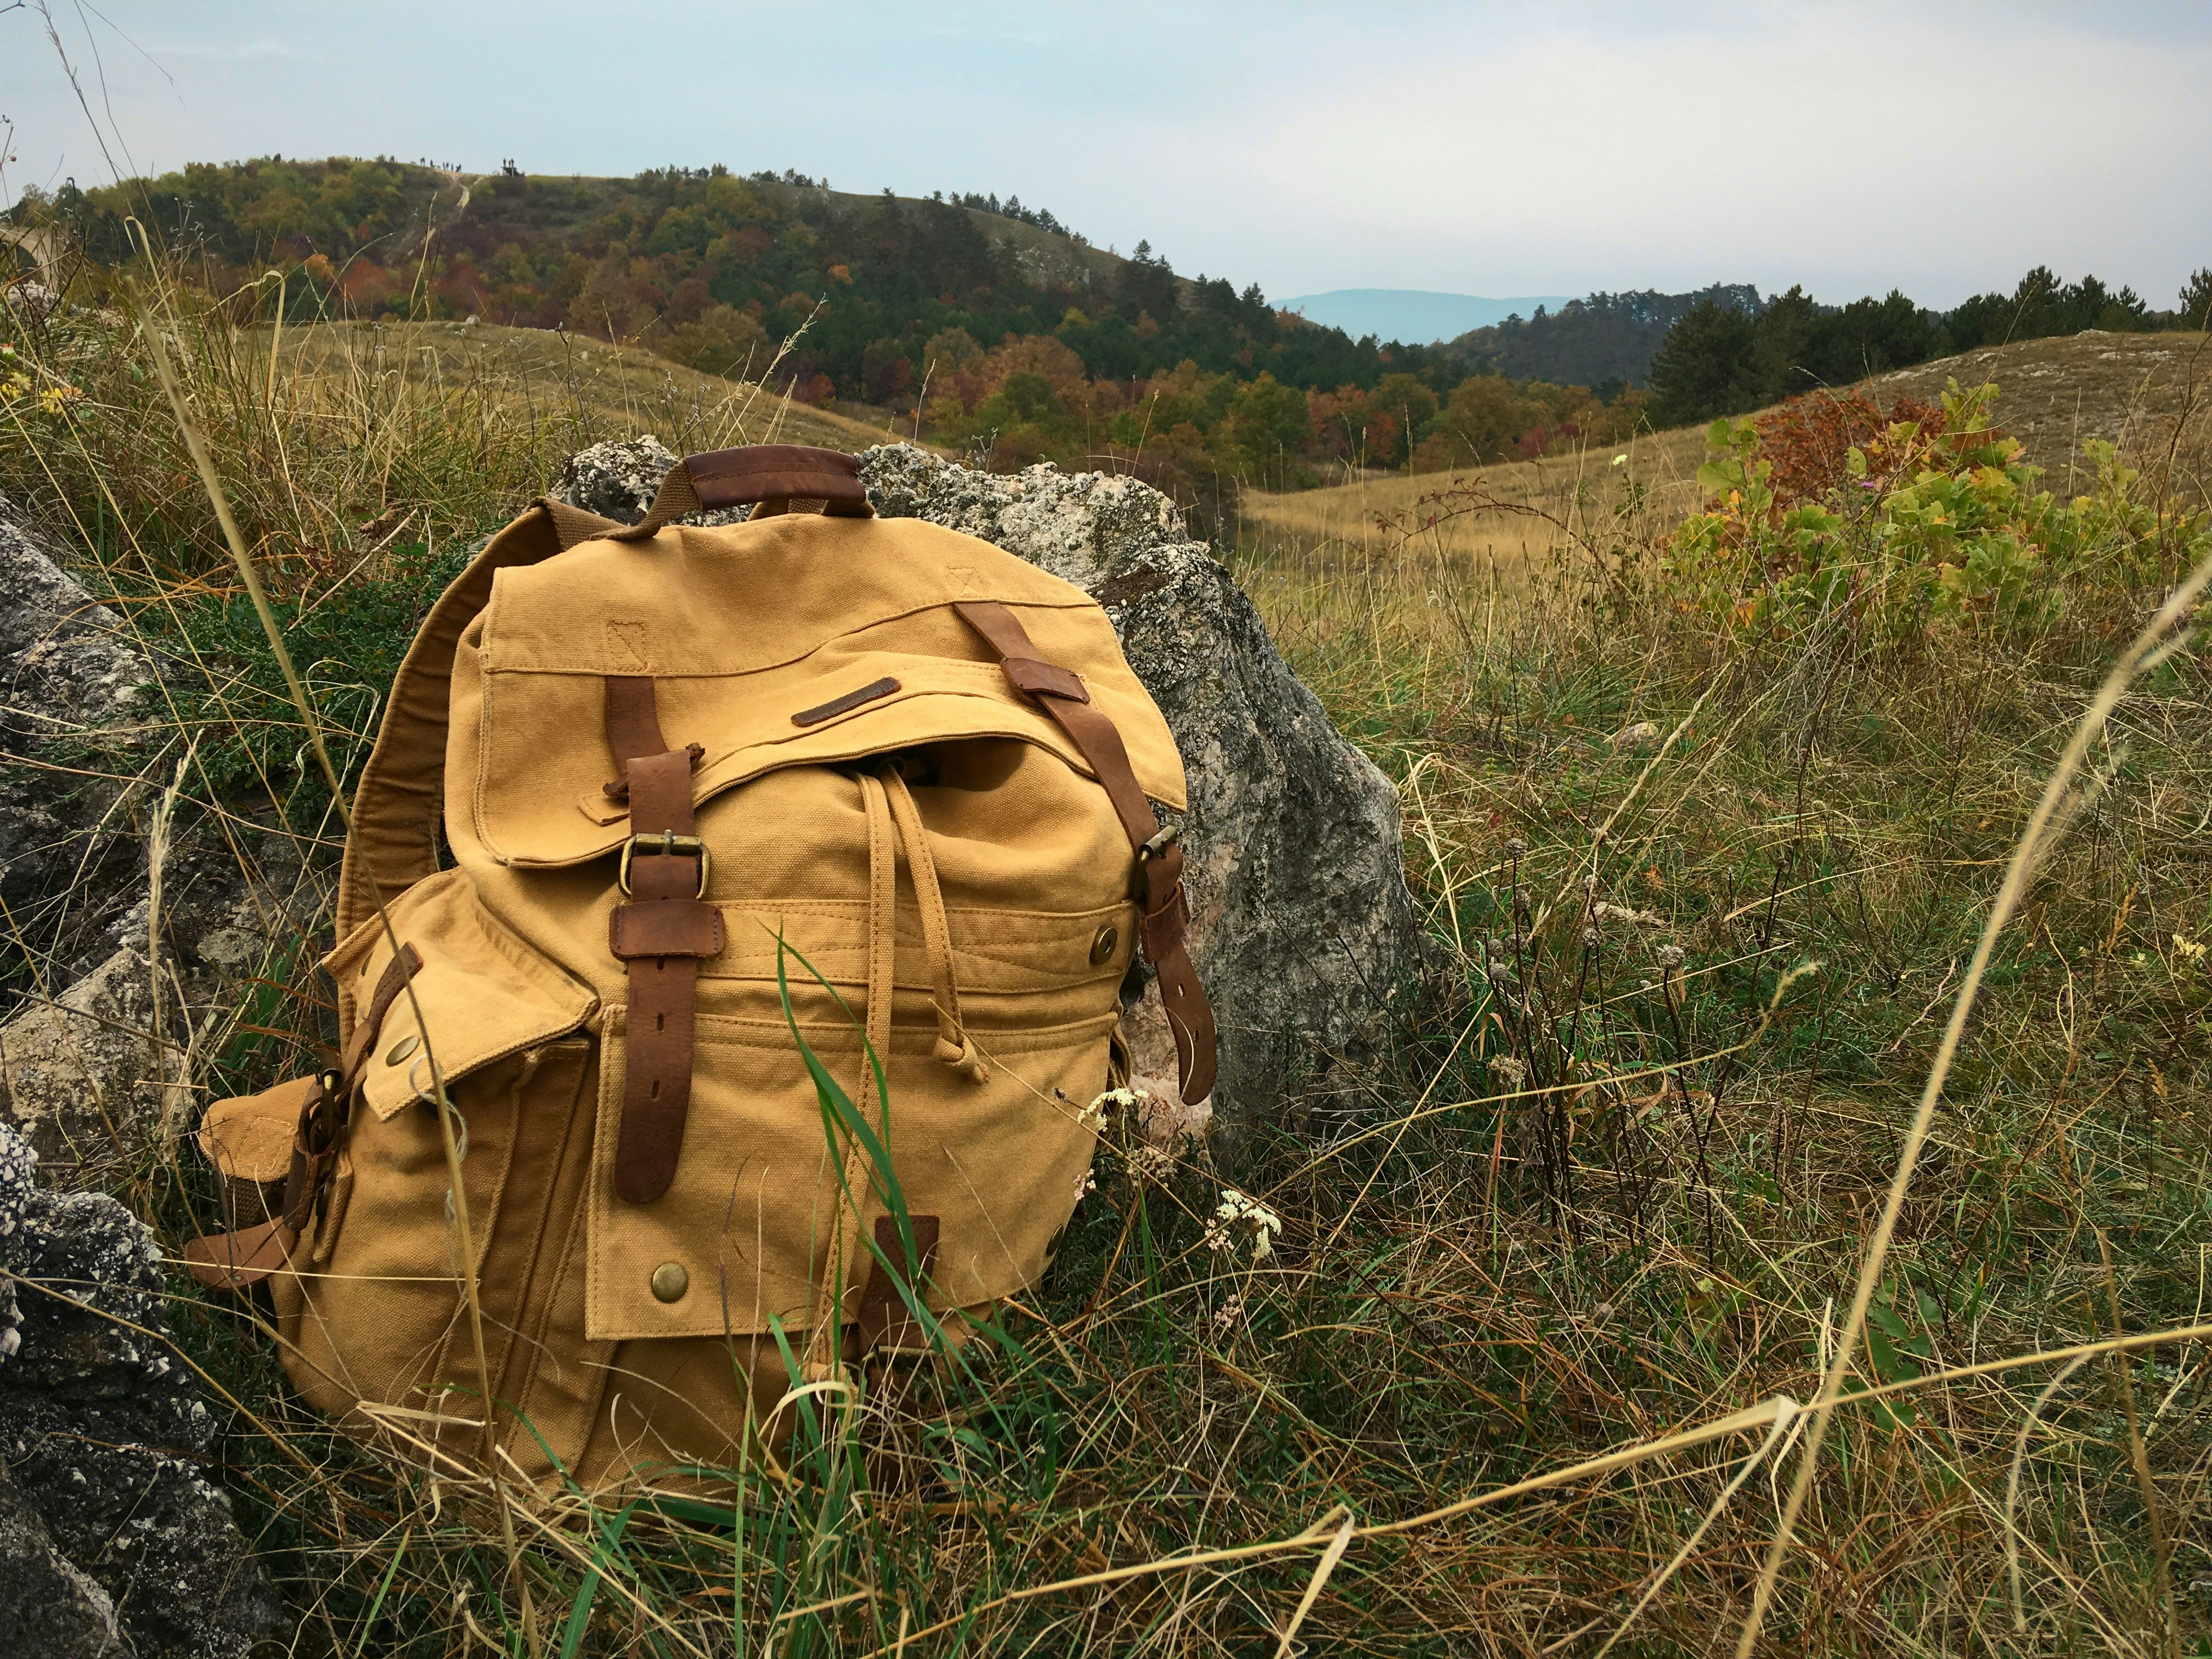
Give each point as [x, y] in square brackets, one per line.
[1809, 440]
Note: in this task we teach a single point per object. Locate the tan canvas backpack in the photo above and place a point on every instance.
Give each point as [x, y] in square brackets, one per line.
[876, 767]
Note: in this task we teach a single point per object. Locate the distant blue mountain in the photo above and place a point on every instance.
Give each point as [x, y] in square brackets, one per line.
[1413, 316]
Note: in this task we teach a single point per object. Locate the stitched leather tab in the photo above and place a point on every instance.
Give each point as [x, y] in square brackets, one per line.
[1045, 679]
[885, 1320]
[664, 927]
[836, 706]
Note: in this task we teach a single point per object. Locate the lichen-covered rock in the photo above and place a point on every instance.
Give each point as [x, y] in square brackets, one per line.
[101, 1429]
[1301, 928]
[618, 480]
[47, 1607]
[83, 1080]
[82, 1071]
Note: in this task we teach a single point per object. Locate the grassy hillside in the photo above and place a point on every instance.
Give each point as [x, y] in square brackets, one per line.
[608, 388]
[1008, 339]
[2056, 395]
[1820, 1005]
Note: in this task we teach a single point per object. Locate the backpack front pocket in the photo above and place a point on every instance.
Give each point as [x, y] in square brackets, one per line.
[768, 1200]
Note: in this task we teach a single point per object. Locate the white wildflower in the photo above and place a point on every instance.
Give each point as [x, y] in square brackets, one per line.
[1240, 1216]
[1093, 1116]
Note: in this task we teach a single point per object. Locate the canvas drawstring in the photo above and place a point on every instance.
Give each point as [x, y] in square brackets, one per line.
[895, 826]
[955, 1047]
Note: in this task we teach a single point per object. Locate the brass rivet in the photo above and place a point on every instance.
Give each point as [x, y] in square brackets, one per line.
[1101, 947]
[670, 1281]
[399, 1050]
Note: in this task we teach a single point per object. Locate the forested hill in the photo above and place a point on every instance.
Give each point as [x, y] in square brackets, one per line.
[982, 325]
[711, 267]
[1608, 339]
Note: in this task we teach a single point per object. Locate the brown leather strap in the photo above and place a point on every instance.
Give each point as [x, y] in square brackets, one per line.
[756, 472]
[396, 972]
[1166, 910]
[633, 719]
[885, 1320]
[662, 934]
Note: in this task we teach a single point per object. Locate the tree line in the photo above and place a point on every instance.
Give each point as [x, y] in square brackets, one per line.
[1723, 357]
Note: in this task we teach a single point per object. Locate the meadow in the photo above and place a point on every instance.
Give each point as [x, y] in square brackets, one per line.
[1744, 815]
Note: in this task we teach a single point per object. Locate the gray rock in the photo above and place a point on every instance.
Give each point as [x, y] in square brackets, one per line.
[83, 1080]
[618, 480]
[101, 1433]
[1301, 928]
[82, 1072]
[69, 672]
[46, 1606]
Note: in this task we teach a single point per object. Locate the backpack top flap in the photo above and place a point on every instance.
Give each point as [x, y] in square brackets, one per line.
[789, 641]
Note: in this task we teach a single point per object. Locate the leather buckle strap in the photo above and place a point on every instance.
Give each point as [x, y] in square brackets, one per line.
[1156, 876]
[660, 934]
[664, 927]
[665, 844]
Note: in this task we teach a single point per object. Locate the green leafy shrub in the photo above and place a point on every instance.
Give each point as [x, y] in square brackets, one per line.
[1934, 523]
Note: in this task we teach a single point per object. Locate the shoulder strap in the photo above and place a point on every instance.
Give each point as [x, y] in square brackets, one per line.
[396, 804]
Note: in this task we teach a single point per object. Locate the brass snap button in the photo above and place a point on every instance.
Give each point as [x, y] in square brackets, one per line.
[399, 1050]
[670, 1281]
[1101, 947]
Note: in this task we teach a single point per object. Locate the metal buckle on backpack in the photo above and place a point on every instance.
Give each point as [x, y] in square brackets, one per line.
[1156, 848]
[666, 844]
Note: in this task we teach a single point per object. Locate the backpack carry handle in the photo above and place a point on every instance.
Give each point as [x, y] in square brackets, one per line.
[777, 475]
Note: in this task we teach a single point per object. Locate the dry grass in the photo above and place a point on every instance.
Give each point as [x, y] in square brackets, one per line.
[1602, 1193]
[609, 388]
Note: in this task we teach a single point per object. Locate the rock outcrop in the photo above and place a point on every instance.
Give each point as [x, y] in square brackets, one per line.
[69, 673]
[85, 1073]
[112, 1542]
[1301, 928]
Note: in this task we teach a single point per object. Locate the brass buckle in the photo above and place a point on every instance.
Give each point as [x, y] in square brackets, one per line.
[666, 844]
[1156, 848]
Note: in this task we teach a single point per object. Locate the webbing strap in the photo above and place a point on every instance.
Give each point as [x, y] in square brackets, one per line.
[1166, 911]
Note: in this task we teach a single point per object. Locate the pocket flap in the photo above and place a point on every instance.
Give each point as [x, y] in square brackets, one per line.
[249, 1137]
[483, 994]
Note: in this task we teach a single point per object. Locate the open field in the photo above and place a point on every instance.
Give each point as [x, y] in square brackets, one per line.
[1710, 862]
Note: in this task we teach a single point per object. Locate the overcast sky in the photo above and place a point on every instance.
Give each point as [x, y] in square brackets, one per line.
[1481, 149]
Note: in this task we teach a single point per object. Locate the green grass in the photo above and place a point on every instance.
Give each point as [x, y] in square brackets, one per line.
[1595, 1197]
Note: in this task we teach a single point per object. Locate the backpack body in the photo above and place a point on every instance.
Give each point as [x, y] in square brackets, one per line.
[751, 1059]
